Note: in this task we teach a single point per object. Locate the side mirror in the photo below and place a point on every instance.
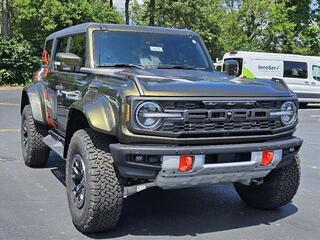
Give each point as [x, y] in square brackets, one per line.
[231, 67]
[67, 62]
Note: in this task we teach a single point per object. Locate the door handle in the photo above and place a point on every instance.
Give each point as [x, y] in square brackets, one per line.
[306, 82]
[313, 83]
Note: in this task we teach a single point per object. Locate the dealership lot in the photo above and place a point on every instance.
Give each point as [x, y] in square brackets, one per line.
[33, 202]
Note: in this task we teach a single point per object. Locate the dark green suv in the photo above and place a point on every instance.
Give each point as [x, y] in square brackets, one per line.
[133, 107]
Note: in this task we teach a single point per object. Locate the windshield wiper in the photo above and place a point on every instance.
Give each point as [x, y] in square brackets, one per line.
[121, 65]
[180, 67]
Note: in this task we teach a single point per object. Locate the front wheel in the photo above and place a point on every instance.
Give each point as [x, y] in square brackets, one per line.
[277, 189]
[94, 186]
[35, 153]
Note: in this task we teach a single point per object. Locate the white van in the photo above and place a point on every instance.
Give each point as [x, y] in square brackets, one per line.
[301, 73]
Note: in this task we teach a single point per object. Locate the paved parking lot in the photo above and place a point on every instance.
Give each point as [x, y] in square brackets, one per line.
[33, 202]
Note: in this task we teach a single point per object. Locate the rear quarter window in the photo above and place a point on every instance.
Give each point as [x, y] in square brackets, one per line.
[47, 53]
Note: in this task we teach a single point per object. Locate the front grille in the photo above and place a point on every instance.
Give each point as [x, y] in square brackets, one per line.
[221, 118]
[182, 105]
[220, 126]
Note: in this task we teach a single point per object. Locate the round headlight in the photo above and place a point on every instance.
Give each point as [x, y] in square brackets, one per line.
[290, 113]
[144, 115]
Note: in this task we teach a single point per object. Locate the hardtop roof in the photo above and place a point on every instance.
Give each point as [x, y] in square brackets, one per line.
[266, 54]
[82, 28]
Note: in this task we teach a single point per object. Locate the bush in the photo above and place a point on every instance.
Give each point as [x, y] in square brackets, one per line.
[17, 63]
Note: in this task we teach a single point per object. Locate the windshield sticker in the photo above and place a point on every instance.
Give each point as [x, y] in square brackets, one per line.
[156, 49]
[194, 41]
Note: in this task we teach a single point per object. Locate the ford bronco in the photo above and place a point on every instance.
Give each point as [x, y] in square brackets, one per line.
[133, 107]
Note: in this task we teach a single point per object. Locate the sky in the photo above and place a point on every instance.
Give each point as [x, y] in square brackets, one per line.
[119, 4]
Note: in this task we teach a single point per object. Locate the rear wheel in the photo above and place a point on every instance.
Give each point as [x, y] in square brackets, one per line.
[278, 188]
[94, 186]
[35, 153]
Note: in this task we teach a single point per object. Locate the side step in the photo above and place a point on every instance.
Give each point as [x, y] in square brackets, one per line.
[54, 144]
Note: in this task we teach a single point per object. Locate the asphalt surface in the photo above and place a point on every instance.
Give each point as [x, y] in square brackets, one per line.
[33, 202]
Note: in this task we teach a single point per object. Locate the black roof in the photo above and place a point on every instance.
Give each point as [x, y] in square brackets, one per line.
[82, 28]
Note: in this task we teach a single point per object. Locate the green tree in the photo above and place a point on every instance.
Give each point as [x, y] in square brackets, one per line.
[198, 15]
[17, 63]
[258, 25]
[34, 19]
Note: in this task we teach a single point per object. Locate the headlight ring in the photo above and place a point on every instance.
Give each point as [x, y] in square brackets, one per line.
[144, 116]
[290, 113]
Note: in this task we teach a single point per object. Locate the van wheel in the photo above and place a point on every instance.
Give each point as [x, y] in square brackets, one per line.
[94, 186]
[35, 153]
[303, 105]
[278, 188]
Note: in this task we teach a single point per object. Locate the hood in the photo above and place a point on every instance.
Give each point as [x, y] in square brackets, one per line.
[198, 83]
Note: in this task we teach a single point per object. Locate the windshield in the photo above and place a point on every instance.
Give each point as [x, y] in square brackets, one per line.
[149, 50]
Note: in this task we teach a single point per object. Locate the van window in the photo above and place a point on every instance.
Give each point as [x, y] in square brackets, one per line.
[47, 51]
[240, 61]
[295, 69]
[316, 72]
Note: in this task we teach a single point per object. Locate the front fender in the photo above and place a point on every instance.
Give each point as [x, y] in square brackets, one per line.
[102, 113]
[33, 94]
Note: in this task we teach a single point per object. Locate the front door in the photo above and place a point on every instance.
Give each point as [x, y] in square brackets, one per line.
[66, 84]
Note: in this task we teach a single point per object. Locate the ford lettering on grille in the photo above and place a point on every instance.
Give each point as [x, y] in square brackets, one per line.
[225, 115]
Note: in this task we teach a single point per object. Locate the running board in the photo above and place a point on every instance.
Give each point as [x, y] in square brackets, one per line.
[54, 144]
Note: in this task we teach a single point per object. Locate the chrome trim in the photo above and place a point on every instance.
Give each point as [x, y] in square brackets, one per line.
[162, 115]
[281, 113]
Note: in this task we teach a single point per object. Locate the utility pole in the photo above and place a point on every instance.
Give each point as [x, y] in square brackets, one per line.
[111, 3]
[152, 8]
[126, 10]
[5, 28]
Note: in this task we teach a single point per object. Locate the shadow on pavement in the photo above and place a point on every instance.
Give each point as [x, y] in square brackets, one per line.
[183, 212]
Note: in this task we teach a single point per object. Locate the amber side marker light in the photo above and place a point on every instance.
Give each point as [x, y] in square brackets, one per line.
[186, 163]
[267, 158]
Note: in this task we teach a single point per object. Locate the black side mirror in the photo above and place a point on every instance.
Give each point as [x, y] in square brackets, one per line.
[231, 67]
[67, 62]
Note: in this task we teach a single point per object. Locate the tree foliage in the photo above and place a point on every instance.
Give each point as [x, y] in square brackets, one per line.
[35, 19]
[285, 26]
[17, 62]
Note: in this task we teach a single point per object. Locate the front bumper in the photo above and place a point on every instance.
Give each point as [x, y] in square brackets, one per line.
[165, 173]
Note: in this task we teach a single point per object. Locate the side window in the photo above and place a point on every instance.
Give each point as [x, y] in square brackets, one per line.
[316, 72]
[62, 45]
[71, 53]
[295, 69]
[47, 51]
[78, 47]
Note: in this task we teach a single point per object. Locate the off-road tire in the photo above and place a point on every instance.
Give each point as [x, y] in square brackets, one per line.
[278, 188]
[104, 186]
[35, 153]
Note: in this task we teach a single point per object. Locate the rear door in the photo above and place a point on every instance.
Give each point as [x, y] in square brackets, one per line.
[297, 75]
[315, 80]
[67, 83]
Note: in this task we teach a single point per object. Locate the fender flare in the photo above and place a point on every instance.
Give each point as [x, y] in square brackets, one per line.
[33, 94]
[102, 113]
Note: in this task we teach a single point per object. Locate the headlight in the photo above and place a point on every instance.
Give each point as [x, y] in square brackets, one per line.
[289, 113]
[147, 115]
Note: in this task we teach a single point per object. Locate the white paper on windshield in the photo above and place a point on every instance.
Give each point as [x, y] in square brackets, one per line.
[156, 49]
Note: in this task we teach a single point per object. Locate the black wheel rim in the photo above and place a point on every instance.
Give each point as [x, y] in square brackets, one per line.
[78, 180]
[25, 141]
